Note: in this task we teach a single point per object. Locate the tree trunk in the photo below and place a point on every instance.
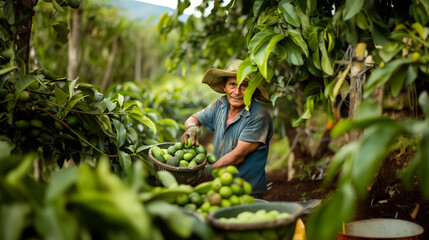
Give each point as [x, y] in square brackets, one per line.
[291, 133]
[110, 63]
[73, 44]
[356, 84]
[23, 20]
[323, 147]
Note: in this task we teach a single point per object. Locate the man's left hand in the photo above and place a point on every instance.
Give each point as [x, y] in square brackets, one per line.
[193, 132]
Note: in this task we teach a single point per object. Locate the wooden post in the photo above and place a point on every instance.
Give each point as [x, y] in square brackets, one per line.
[356, 83]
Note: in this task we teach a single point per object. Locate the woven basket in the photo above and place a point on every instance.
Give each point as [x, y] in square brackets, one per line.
[180, 173]
[283, 228]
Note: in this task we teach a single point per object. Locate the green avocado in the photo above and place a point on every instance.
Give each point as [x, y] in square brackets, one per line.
[173, 161]
[159, 157]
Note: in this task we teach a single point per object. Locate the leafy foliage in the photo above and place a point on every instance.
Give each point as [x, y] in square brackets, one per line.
[86, 202]
[63, 119]
[304, 50]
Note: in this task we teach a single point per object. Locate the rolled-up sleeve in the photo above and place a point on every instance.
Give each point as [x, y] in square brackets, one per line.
[257, 130]
[207, 115]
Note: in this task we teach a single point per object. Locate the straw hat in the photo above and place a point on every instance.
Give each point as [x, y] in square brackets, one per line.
[215, 79]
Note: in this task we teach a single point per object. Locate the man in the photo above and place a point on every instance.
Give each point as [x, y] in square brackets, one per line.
[241, 137]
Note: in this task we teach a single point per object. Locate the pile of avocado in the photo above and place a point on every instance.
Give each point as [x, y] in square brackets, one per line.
[179, 155]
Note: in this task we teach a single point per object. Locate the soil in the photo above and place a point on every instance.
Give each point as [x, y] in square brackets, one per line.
[387, 198]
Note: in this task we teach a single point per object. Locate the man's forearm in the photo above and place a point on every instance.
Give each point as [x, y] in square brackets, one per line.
[231, 158]
[237, 155]
[192, 120]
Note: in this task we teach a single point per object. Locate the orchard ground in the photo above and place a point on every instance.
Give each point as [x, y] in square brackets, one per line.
[387, 198]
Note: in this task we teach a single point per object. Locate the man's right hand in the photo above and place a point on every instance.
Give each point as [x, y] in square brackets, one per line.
[193, 132]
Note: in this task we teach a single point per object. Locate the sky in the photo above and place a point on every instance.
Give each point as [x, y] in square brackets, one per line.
[173, 4]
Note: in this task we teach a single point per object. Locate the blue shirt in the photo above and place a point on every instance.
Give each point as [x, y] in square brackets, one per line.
[254, 125]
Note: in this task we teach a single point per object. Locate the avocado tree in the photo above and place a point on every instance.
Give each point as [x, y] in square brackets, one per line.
[321, 54]
[64, 119]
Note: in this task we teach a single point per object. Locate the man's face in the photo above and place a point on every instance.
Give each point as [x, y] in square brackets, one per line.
[234, 93]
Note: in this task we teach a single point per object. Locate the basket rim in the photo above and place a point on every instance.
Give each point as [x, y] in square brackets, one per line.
[171, 168]
[215, 222]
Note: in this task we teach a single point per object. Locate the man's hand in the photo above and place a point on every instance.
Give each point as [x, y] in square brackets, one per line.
[193, 132]
[200, 176]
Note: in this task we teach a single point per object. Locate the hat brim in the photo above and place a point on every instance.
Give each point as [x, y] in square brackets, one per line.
[214, 78]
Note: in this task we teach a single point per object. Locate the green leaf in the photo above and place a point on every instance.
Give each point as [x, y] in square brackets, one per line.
[281, 53]
[367, 110]
[125, 161]
[109, 104]
[338, 209]
[9, 12]
[72, 86]
[361, 21]
[352, 8]
[298, 122]
[261, 57]
[422, 171]
[60, 96]
[316, 59]
[62, 31]
[424, 103]
[305, 20]
[380, 35]
[398, 80]
[381, 75]
[60, 182]
[325, 61]
[245, 69]
[253, 84]
[16, 175]
[259, 40]
[390, 50]
[23, 82]
[408, 175]
[167, 179]
[142, 148]
[57, 7]
[129, 104]
[7, 70]
[373, 147]
[169, 122]
[289, 13]
[172, 215]
[307, 6]
[121, 132]
[257, 7]
[346, 125]
[419, 29]
[74, 100]
[6, 147]
[313, 38]
[104, 120]
[144, 120]
[296, 37]
[412, 73]
[294, 55]
[120, 99]
[309, 107]
[13, 219]
[341, 156]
